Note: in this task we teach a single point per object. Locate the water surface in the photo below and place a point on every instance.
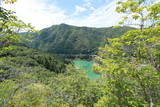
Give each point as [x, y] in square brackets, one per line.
[86, 66]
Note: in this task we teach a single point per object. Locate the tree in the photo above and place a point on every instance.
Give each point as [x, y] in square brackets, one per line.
[142, 13]
[145, 12]
[10, 27]
[131, 62]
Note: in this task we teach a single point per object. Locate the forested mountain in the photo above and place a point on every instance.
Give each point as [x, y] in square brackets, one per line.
[27, 74]
[67, 39]
[21, 56]
[128, 65]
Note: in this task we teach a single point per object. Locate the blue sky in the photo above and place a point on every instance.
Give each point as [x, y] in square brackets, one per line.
[44, 13]
[70, 5]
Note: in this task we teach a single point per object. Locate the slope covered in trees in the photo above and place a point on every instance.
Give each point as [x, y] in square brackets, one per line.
[19, 55]
[31, 78]
[71, 40]
[129, 65]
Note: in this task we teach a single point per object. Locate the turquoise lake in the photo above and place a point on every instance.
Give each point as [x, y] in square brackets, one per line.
[86, 66]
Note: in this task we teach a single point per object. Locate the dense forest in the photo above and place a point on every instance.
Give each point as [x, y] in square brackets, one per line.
[128, 61]
[67, 40]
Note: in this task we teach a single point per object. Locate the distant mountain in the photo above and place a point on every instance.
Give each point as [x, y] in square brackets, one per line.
[71, 40]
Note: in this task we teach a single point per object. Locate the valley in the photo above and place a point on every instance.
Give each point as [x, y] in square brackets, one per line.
[99, 61]
[73, 43]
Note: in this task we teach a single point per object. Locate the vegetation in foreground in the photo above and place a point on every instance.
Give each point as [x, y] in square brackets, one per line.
[130, 66]
[31, 78]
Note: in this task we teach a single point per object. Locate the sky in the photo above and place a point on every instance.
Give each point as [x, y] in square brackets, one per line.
[45, 13]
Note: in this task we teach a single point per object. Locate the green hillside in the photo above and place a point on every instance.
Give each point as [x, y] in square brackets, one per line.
[71, 40]
[21, 57]
[30, 78]
[123, 72]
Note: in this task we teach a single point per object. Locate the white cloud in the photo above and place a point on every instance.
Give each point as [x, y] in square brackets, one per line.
[88, 4]
[79, 9]
[42, 14]
[38, 12]
[104, 16]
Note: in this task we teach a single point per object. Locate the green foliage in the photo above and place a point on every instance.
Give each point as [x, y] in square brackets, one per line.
[131, 67]
[6, 91]
[71, 41]
[154, 15]
[74, 89]
[24, 56]
[32, 95]
[144, 13]
[130, 64]
[32, 78]
[10, 27]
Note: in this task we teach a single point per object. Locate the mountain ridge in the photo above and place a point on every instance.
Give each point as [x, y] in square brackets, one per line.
[69, 39]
